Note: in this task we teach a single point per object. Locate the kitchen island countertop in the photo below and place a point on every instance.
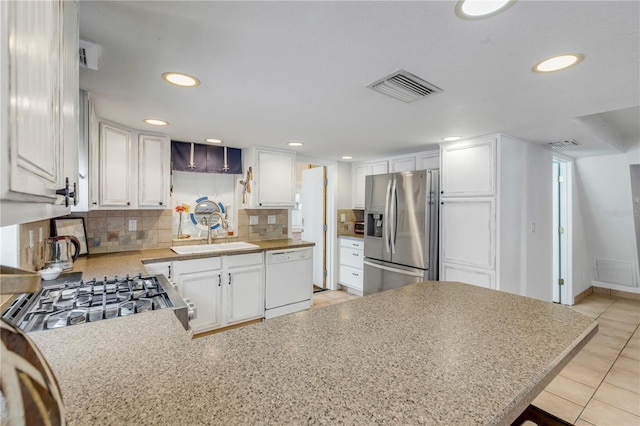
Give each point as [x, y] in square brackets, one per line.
[428, 353]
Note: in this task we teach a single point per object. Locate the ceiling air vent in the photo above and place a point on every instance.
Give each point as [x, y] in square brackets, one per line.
[404, 86]
[89, 54]
[563, 144]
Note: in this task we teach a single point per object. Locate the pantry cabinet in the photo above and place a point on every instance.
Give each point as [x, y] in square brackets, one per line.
[481, 212]
[274, 178]
[225, 290]
[38, 109]
[129, 169]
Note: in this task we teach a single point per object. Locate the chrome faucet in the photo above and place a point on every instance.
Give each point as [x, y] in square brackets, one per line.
[223, 221]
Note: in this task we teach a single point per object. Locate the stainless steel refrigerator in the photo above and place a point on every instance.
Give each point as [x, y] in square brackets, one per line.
[401, 229]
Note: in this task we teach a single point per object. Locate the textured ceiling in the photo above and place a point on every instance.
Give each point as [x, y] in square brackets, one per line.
[274, 72]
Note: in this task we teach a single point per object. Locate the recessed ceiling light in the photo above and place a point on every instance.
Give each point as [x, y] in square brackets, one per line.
[155, 122]
[479, 9]
[295, 144]
[558, 62]
[180, 79]
[211, 140]
[451, 138]
[347, 157]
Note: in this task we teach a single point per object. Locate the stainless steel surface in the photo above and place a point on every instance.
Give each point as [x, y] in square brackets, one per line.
[380, 276]
[223, 221]
[401, 221]
[68, 301]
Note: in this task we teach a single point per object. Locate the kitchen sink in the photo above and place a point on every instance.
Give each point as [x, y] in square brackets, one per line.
[207, 248]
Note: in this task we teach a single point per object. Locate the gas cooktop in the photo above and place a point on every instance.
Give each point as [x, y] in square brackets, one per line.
[65, 303]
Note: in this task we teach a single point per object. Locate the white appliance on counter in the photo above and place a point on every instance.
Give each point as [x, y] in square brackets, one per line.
[289, 285]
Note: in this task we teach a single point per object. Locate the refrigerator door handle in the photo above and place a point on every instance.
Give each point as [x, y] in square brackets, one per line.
[397, 271]
[387, 210]
[393, 209]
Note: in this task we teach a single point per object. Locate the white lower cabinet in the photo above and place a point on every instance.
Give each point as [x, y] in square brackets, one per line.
[352, 263]
[225, 290]
[245, 287]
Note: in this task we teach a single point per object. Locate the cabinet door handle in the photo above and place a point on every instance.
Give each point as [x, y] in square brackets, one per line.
[442, 203]
[160, 202]
[169, 271]
[95, 203]
[66, 193]
[219, 280]
[128, 203]
[229, 278]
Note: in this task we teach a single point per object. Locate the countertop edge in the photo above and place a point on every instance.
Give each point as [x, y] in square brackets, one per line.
[540, 383]
[263, 246]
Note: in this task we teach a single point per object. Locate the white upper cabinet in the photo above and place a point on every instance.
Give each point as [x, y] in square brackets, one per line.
[360, 172]
[469, 168]
[129, 169]
[114, 166]
[274, 178]
[428, 160]
[405, 164]
[154, 161]
[39, 108]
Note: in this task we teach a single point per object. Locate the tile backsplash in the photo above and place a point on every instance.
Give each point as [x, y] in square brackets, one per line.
[32, 258]
[350, 218]
[107, 231]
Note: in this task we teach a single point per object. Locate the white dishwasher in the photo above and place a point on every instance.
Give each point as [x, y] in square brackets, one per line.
[289, 281]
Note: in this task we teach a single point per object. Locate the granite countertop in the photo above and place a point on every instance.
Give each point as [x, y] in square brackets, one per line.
[132, 262]
[429, 353]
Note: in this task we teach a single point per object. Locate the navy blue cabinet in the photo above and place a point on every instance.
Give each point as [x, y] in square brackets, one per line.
[200, 158]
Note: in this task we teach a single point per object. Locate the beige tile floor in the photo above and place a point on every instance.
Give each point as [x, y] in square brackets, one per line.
[601, 385]
[325, 298]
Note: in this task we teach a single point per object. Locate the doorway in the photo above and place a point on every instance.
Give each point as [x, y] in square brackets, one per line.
[313, 197]
[561, 232]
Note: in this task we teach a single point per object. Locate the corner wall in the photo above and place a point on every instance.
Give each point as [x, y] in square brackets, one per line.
[605, 252]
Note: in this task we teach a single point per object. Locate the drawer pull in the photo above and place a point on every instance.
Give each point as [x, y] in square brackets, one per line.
[354, 274]
[355, 254]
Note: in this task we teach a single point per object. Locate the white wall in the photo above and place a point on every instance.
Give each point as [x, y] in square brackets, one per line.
[537, 209]
[344, 185]
[603, 214]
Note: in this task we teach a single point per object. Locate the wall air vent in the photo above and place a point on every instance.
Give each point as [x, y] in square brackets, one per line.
[404, 86]
[563, 144]
[89, 54]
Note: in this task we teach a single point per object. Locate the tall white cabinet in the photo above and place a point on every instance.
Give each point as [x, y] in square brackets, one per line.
[38, 108]
[480, 213]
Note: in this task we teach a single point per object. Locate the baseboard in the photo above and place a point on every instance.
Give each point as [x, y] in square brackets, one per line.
[616, 293]
[579, 297]
[606, 291]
